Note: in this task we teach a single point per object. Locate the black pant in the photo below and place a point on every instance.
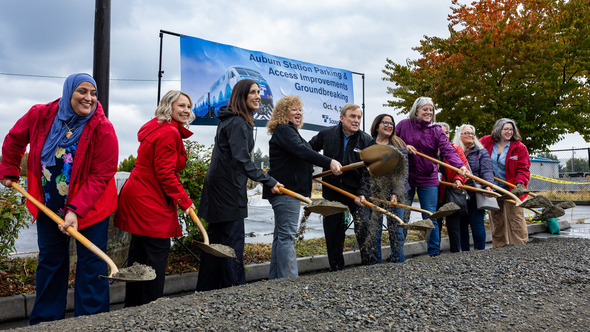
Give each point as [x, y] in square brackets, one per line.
[334, 231]
[152, 252]
[453, 222]
[218, 272]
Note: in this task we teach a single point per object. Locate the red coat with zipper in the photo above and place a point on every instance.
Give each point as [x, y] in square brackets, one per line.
[518, 162]
[147, 203]
[92, 191]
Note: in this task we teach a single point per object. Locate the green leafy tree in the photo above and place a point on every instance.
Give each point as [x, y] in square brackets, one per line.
[547, 155]
[259, 158]
[527, 60]
[192, 178]
[14, 216]
[127, 164]
[579, 165]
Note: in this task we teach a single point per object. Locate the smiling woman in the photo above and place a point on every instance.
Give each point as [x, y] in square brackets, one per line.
[147, 203]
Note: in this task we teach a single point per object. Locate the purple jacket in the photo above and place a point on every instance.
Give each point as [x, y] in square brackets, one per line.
[428, 139]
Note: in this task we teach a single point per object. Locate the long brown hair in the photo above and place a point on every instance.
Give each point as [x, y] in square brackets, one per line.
[237, 101]
[393, 139]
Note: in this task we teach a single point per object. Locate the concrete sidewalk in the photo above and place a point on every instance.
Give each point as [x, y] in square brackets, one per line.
[15, 310]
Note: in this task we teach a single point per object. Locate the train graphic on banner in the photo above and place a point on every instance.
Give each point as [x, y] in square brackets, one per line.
[218, 95]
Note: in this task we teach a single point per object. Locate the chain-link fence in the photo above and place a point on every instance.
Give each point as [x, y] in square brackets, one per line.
[562, 174]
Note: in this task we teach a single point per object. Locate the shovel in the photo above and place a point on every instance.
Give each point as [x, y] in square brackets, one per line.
[549, 210]
[421, 225]
[378, 159]
[473, 177]
[323, 207]
[218, 250]
[445, 210]
[134, 273]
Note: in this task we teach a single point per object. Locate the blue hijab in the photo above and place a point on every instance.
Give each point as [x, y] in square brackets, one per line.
[66, 115]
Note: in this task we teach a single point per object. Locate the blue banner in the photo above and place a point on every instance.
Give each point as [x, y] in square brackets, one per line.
[209, 71]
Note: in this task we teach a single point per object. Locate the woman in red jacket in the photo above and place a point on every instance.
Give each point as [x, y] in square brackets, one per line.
[511, 162]
[72, 161]
[148, 200]
[453, 220]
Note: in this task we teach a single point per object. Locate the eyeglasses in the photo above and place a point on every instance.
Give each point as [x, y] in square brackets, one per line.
[387, 123]
[468, 134]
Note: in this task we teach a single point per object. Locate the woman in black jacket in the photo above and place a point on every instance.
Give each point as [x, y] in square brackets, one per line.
[291, 159]
[224, 204]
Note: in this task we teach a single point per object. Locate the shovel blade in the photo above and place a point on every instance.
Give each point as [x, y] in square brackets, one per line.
[134, 273]
[218, 250]
[421, 225]
[445, 210]
[380, 159]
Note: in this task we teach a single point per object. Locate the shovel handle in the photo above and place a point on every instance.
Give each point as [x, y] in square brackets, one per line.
[408, 207]
[77, 235]
[466, 187]
[511, 185]
[343, 169]
[471, 176]
[196, 220]
[295, 195]
[367, 203]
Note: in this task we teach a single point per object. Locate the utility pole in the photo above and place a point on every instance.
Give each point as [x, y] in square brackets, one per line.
[102, 51]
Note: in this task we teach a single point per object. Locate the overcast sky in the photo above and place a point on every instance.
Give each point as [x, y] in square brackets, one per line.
[49, 40]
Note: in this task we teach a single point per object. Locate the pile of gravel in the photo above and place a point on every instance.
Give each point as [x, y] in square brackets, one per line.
[541, 285]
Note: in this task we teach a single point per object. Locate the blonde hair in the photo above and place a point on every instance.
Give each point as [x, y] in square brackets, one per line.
[164, 110]
[280, 112]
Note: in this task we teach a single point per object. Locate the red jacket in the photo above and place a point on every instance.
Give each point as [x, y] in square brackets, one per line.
[450, 175]
[92, 191]
[518, 162]
[147, 203]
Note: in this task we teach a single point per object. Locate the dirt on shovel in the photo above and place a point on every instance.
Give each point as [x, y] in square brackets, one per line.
[553, 211]
[136, 272]
[536, 202]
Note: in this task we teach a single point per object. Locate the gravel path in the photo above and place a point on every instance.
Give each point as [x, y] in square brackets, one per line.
[541, 285]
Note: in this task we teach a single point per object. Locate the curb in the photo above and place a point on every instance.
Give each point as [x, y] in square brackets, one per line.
[20, 306]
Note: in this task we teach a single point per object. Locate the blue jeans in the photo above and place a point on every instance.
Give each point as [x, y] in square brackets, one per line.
[91, 293]
[478, 230]
[283, 259]
[368, 230]
[397, 237]
[428, 197]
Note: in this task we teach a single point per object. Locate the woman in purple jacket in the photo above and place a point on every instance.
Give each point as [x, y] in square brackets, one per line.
[421, 134]
[481, 166]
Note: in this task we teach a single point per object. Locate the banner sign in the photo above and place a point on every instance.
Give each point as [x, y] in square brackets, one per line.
[209, 71]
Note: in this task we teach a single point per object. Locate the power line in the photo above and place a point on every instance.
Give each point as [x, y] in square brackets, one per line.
[63, 77]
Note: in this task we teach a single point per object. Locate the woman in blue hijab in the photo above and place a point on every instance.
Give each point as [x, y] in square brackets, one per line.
[72, 161]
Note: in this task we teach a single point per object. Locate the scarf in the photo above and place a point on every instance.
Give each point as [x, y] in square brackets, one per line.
[66, 117]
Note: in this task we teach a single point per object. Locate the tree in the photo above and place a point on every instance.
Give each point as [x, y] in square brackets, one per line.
[547, 155]
[260, 158]
[579, 165]
[127, 164]
[527, 60]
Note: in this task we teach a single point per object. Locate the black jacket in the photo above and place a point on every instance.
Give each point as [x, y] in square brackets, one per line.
[224, 192]
[331, 141]
[291, 159]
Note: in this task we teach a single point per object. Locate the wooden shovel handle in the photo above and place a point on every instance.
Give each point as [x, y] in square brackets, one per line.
[365, 202]
[471, 176]
[295, 195]
[77, 235]
[343, 169]
[466, 187]
[401, 205]
[511, 185]
[199, 225]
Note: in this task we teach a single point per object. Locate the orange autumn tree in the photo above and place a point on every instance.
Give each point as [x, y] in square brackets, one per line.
[528, 60]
